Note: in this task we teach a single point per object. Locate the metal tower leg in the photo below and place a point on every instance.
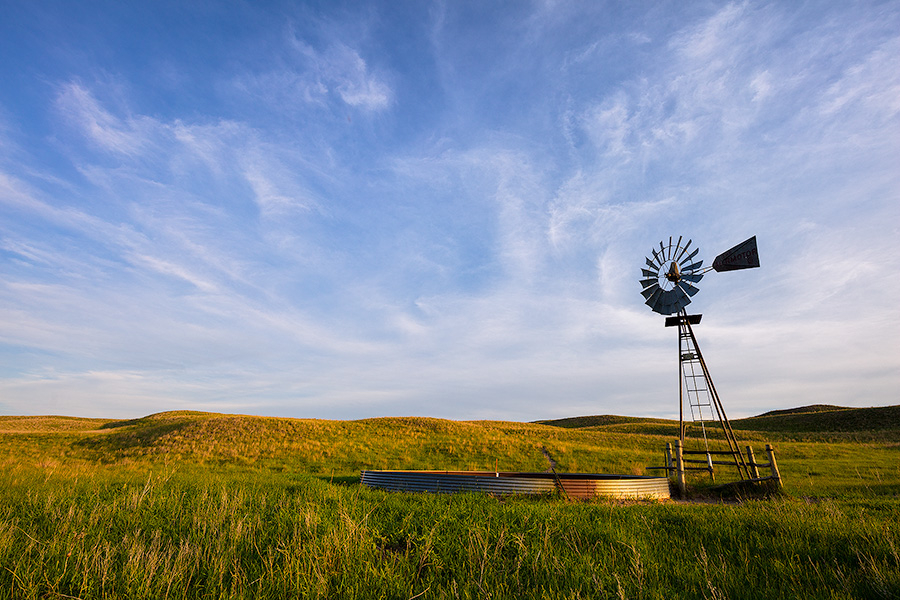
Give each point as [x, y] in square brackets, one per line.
[702, 395]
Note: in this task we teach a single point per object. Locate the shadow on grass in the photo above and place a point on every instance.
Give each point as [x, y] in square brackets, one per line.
[180, 416]
[342, 480]
[126, 423]
[134, 434]
[732, 492]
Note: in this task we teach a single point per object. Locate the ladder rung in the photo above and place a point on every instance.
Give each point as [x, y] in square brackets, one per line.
[715, 462]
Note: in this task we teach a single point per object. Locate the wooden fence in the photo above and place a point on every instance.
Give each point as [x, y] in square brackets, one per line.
[677, 465]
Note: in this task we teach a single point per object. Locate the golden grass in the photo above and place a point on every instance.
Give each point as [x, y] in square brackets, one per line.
[206, 505]
[49, 424]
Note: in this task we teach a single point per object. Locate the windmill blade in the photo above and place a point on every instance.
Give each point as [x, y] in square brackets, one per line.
[648, 282]
[743, 256]
[692, 277]
[692, 267]
[689, 257]
[669, 247]
[658, 258]
[671, 301]
[672, 304]
[647, 273]
[688, 288]
[647, 292]
[661, 307]
[660, 302]
[654, 298]
[679, 299]
[681, 305]
[670, 309]
[652, 264]
[683, 250]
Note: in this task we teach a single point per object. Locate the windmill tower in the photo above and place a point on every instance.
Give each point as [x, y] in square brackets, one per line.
[668, 285]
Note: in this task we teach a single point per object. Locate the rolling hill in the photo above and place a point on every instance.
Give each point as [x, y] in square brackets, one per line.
[817, 418]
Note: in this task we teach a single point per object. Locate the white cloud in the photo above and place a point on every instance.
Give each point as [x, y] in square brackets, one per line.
[103, 128]
[761, 85]
[712, 38]
[355, 84]
[180, 271]
[870, 87]
[275, 186]
[338, 70]
[609, 126]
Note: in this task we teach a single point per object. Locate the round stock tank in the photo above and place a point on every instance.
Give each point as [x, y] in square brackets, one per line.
[575, 485]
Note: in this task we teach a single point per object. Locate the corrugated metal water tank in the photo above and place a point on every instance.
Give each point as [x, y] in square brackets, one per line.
[575, 485]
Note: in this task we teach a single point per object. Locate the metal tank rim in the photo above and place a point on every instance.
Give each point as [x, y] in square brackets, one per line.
[574, 485]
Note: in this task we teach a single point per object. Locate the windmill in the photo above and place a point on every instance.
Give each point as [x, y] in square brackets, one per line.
[669, 283]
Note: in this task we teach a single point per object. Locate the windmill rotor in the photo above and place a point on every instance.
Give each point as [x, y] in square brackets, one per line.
[669, 280]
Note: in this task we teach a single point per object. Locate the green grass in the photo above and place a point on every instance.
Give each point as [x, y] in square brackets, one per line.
[200, 505]
[826, 419]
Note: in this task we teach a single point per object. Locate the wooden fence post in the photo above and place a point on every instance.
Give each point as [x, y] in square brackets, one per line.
[679, 467]
[669, 465]
[774, 466]
[754, 472]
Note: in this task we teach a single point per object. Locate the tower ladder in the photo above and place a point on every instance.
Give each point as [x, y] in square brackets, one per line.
[703, 402]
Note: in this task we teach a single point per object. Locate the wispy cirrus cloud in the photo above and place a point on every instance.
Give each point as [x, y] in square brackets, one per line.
[870, 86]
[330, 77]
[353, 80]
[100, 126]
[447, 215]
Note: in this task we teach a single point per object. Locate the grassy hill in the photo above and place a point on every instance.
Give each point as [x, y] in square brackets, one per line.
[323, 446]
[602, 443]
[599, 444]
[204, 505]
[821, 418]
[817, 422]
[803, 409]
[601, 421]
[49, 424]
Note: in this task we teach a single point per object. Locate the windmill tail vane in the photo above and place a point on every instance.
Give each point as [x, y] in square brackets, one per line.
[743, 256]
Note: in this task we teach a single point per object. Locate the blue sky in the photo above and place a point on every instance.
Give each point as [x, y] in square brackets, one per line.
[347, 210]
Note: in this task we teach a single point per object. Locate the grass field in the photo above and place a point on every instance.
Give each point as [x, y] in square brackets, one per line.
[199, 505]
